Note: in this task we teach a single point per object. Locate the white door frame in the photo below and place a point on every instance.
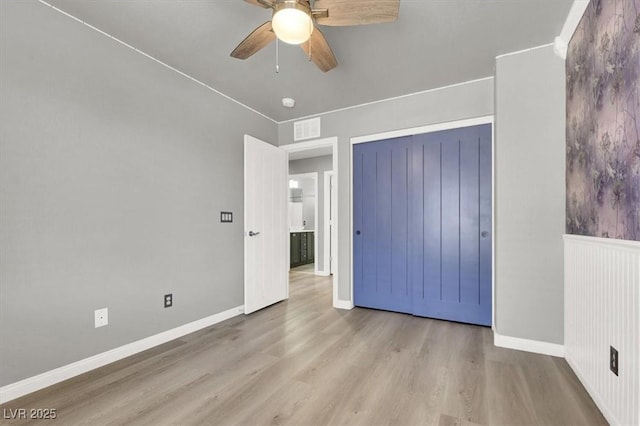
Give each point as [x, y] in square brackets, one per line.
[329, 229]
[447, 125]
[320, 143]
[314, 176]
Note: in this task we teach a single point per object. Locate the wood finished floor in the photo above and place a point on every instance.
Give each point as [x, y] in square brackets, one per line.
[308, 268]
[301, 362]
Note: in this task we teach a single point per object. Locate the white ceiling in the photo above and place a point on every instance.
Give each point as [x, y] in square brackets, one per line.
[433, 43]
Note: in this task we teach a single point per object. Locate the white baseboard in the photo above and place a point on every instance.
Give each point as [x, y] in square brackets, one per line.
[343, 304]
[527, 345]
[606, 412]
[41, 381]
[322, 273]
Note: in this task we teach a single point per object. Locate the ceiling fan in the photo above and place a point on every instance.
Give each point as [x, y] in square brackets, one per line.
[295, 22]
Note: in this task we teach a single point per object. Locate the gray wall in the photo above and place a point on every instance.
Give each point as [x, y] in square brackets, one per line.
[308, 187]
[319, 165]
[448, 104]
[530, 195]
[114, 170]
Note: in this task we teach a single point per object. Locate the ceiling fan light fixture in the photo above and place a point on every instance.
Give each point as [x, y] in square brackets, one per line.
[292, 22]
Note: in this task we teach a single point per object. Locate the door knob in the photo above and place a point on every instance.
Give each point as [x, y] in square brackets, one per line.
[358, 232]
[253, 234]
[484, 234]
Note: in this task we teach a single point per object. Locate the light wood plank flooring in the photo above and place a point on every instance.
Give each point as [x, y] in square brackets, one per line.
[301, 362]
[308, 268]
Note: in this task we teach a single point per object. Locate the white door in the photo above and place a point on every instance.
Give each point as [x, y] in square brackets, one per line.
[265, 225]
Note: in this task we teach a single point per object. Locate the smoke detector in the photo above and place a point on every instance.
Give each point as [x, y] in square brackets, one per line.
[288, 102]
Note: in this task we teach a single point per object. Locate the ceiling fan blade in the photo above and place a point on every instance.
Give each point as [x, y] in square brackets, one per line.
[321, 53]
[255, 41]
[356, 12]
[262, 3]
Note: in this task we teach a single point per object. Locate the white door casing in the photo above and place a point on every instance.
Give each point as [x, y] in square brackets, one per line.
[329, 213]
[265, 225]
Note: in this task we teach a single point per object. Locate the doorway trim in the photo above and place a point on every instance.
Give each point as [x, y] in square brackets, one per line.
[329, 212]
[446, 125]
[331, 142]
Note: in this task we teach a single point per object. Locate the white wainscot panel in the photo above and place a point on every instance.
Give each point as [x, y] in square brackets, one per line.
[602, 304]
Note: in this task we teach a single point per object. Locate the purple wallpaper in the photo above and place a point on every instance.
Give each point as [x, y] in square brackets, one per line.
[603, 122]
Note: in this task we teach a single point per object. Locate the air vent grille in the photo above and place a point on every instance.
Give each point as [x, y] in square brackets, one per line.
[306, 129]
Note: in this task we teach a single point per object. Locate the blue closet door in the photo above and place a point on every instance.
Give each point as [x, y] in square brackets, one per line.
[381, 226]
[451, 264]
[422, 223]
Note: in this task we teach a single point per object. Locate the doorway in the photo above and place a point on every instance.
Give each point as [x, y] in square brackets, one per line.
[325, 250]
[304, 220]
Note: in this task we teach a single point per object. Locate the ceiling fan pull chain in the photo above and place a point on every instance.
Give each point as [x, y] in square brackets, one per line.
[277, 57]
[309, 41]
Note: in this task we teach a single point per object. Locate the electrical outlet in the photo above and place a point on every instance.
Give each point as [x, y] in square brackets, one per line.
[613, 360]
[168, 300]
[101, 317]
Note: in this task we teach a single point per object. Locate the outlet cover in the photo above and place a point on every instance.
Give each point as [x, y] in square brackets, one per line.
[168, 300]
[101, 317]
[613, 360]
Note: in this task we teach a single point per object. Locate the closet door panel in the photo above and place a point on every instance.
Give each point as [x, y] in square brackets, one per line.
[422, 224]
[381, 240]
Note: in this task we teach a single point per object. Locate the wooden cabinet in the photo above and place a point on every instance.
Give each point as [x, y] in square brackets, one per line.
[310, 244]
[301, 248]
[294, 248]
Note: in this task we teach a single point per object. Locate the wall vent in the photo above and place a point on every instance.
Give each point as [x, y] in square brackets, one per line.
[306, 129]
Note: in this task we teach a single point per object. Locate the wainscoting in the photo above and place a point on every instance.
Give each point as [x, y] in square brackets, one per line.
[602, 309]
